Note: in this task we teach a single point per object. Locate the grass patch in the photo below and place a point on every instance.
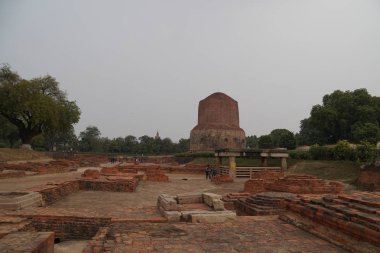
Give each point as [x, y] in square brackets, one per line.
[10, 154]
[344, 171]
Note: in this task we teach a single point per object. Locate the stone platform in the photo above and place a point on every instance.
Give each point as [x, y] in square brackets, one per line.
[211, 210]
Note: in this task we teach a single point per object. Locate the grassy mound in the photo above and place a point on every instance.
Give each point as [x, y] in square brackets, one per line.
[8, 154]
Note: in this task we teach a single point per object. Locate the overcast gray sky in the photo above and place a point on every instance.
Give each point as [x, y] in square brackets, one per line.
[135, 67]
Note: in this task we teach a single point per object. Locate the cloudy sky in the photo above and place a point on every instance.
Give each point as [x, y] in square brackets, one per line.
[135, 67]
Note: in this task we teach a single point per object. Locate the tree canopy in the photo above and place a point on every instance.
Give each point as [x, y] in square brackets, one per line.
[35, 106]
[350, 115]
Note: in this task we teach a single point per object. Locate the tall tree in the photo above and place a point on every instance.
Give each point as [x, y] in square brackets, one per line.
[345, 115]
[35, 106]
[90, 139]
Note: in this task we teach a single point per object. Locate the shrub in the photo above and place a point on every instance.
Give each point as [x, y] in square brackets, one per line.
[343, 151]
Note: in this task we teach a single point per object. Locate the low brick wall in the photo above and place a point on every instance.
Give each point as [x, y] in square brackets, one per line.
[369, 179]
[305, 185]
[69, 228]
[53, 192]
[117, 185]
[10, 174]
[254, 186]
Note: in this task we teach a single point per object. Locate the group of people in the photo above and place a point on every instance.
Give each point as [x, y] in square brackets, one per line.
[210, 172]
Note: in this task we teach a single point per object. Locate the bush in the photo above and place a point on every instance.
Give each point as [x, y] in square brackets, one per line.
[366, 152]
[320, 152]
[343, 151]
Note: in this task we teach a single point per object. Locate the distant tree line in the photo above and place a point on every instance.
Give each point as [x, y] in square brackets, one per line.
[36, 112]
[90, 140]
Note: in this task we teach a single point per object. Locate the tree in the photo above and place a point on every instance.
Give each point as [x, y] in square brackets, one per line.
[283, 138]
[265, 141]
[349, 115]
[366, 132]
[8, 133]
[35, 106]
[90, 139]
[252, 141]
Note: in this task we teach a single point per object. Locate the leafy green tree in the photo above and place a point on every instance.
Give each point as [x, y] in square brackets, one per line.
[131, 144]
[265, 141]
[182, 146]
[35, 106]
[8, 133]
[90, 140]
[283, 138]
[367, 132]
[349, 115]
[252, 141]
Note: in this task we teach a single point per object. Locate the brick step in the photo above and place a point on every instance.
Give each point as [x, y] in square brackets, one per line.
[354, 205]
[254, 210]
[342, 213]
[350, 212]
[262, 202]
[335, 220]
[362, 202]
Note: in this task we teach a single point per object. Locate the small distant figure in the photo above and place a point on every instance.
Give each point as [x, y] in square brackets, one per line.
[208, 171]
[213, 172]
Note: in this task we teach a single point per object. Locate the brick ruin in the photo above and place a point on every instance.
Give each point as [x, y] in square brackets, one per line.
[218, 125]
[350, 220]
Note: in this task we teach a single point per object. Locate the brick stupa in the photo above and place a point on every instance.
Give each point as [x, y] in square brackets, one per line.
[218, 125]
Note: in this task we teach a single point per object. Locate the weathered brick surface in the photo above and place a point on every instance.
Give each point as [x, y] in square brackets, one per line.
[255, 186]
[356, 215]
[55, 191]
[230, 199]
[116, 184]
[91, 173]
[33, 242]
[11, 174]
[222, 179]
[155, 174]
[246, 234]
[67, 228]
[304, 184]
[369, 179]
[266, 203]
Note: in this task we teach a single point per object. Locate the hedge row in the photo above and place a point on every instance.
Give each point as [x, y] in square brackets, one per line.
[364, 152]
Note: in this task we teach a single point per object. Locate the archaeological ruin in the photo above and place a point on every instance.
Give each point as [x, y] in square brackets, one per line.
[218, 125]
[88, 204]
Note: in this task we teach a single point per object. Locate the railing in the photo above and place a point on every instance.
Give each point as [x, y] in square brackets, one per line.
[248, 171]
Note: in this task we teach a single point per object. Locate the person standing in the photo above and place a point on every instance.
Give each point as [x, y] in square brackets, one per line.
[208, 171]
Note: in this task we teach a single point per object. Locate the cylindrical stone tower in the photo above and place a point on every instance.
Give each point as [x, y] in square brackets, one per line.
[218, 125]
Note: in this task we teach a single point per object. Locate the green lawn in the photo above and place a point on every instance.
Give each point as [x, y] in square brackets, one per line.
[344, 171]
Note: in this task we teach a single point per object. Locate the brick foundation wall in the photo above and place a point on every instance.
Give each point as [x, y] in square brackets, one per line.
[55, 191]
[10, 174]
[128, 185]
[369, 179]
[69, 228]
